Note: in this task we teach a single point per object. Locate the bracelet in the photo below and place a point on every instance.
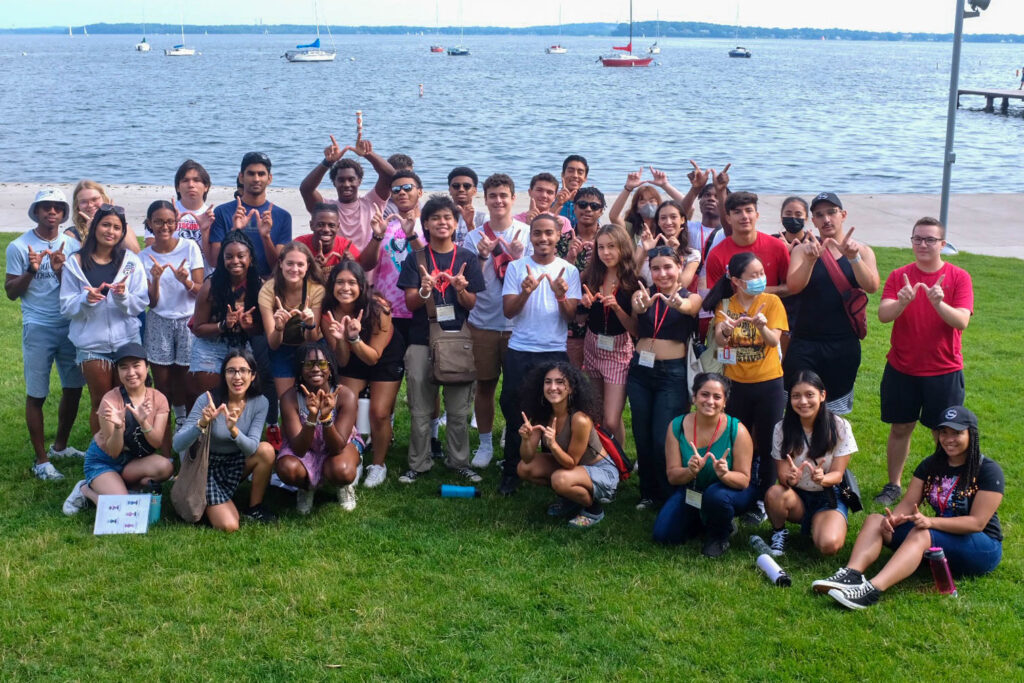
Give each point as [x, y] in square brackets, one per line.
[307, 423]
[379, 238]
[308, 326]
[559, 300]
[855, 259]
[145, 431]
[31, 271]
[422, 295]
[325, 163]
[329, 420]
[354, 340]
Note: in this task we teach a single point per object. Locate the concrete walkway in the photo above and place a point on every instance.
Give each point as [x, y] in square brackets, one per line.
[990, 224]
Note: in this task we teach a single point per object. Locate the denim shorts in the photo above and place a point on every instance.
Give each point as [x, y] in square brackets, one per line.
[604, 476]
[282, 362]
[968, 554]
[208, 355]
[817, 501]
[97, 462]
[41, 345]
[81, 355]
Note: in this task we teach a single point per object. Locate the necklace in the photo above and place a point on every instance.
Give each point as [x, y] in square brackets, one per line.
[49, 243]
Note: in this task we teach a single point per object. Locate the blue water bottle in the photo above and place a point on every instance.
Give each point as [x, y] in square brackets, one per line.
[156, 499]
[449, 491]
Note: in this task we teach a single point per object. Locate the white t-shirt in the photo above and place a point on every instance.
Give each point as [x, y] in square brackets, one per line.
[540, 327]
[40, 304]
[845, 445]
[174, 302]
[487, 314]
[462, 232]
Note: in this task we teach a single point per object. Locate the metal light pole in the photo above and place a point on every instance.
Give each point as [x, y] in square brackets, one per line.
[954, 81]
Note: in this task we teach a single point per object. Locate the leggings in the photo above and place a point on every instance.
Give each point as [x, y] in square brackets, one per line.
[759, 406]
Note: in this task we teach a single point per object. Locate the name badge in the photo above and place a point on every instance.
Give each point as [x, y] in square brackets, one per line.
[726, 356]
[445, 313]
[647, 359]
[605, 342]
[694, 498]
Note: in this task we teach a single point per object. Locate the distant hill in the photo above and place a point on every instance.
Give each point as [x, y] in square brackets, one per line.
[667, 29]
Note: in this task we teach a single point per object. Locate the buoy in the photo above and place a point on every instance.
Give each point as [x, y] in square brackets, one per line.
[421, 90]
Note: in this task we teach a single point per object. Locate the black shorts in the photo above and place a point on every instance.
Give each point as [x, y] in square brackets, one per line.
[382, 371]
[836, 361]
[907, 398]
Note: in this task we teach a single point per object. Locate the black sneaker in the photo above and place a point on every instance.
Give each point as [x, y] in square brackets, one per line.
[856, 597]
[756, 516]
[778, 545]
[258, 513]
[409, 476]
[891, 493]
[509, 484]
[843, 578]
[436, 451]
[468, 473]
[563, 507]
[715, 547]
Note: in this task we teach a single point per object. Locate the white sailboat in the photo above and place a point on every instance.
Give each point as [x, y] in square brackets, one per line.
[142, 45]
[180, 50]
[655, 49]
[557, 48]
[312, 52]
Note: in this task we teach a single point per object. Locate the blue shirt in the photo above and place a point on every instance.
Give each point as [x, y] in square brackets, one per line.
[280, 234]
[40, 304]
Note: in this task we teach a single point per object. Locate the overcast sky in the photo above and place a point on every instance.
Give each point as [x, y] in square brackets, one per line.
[1004, 16]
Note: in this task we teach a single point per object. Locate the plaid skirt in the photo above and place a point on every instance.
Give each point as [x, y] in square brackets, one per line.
[611, 366]
[224, 476]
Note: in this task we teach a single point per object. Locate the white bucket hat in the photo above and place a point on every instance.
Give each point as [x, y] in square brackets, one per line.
[48, 195]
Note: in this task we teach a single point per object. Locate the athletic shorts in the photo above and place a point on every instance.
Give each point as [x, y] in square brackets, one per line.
[907, 398]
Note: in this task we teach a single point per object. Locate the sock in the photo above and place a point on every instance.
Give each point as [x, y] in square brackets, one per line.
[854, 572]
[485, 442]
[179, 414]
[435, 425]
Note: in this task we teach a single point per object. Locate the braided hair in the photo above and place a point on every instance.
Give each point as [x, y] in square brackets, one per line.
[967, 485]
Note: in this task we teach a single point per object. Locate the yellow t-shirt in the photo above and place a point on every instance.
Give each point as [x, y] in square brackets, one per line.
[293, 335]
[755, 361]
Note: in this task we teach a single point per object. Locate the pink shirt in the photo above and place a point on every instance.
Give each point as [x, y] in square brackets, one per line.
[521, 217]
[354, 218]
[393, 252]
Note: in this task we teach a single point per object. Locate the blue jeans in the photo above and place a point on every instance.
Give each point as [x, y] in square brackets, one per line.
[656, 396]
[968, 554]
[678, 522]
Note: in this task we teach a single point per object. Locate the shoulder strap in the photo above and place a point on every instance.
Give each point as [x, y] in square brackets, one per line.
[708, 242]
[835, 272]
[421, 259]
[487, 231]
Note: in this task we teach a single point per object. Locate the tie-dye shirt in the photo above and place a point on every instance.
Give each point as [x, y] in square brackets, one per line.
[393, 252]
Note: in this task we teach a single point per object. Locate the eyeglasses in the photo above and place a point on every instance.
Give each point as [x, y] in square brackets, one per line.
[114, 208]
[593, 206]
[827, 212]
[320, 364]
[237, 372]
[169, 223]
[660, 251]
[460, 186]
[408, 187]
[930, 241]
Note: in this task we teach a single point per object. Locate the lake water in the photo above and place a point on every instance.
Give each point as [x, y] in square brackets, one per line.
[856, 117]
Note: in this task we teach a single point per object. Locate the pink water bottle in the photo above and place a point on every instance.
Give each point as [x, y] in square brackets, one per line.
[940, 571]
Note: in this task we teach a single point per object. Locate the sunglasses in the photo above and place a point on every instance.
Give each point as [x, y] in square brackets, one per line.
[461, 186]
[660, 251]
[408, 187]
[113, 208]
[320, 364]
[593, 206]
[50, 206]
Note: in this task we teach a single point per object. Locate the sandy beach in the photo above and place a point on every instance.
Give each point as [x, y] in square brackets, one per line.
[991, 224]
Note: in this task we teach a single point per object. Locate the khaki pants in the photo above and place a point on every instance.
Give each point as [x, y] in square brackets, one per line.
[421, 392]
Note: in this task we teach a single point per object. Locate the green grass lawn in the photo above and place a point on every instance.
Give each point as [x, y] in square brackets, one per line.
[413, 586]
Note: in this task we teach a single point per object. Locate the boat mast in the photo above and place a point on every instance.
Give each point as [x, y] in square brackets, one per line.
[630, 27]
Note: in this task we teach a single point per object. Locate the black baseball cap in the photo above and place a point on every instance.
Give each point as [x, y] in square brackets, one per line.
[251, 158]
[130, 350]
[829, 197]
[958, 418]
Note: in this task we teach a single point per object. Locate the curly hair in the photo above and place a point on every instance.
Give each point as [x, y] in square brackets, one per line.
[582, 397]
[303, 351]
[372, 303]
[222, 294]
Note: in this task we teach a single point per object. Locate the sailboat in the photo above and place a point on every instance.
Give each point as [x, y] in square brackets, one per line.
[458, 50]
[312, 52]
[437, 46]
[628, 59]
[180, 50]
[738, 51]
[142, 45]
[557, 48]
[654, 49]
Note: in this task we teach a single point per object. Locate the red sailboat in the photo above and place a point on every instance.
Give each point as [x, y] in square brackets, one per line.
[628, 59]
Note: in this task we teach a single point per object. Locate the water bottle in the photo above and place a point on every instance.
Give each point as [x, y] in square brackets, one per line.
[940, 571]
[363, 414]
[767, 564]
[155, 501]
[450, 491]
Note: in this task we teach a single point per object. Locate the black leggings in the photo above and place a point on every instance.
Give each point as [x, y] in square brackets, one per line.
[759, 406]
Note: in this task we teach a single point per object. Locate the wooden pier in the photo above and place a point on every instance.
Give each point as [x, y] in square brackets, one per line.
[991, 96]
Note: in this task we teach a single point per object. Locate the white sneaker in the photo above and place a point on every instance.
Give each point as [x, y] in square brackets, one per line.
[304, 500]
[482, 457]
[68, 452]
[47, 472]
[375, 475]
[347, 497]
[76, 500]
[442, 421]
[472, 423]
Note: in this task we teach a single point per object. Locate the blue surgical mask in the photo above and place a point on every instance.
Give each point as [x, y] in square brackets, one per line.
[647, 210]
[755, 286]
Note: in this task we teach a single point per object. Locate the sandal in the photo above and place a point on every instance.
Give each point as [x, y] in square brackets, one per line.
[585, 519]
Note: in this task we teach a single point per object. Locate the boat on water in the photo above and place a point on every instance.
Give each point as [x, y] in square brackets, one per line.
[312, 52]
[437, 48]
[654, 49]
[629, 59]
[180, 50]
[142, 45]
[458, 51]
[556, 50]
[740, 52]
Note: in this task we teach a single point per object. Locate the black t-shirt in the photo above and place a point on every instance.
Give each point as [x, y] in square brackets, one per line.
[410, 277]
[948, 502]
[102, 273]
[674, 325]
[602, 320]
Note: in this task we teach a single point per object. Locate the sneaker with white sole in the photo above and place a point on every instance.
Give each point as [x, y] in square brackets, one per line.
[482, 457]
[347, 497]
[304, 500]
[778, 544]
[468, 474]
[856, 597]
[756, 516]
[67, 452]
[375, 475]
[46, 471]
[843, 578]
[891, 493]
[410, 476]
[76, 500]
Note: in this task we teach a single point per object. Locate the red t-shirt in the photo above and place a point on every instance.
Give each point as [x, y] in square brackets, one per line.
[770, 251]
[334, 256]
[922, 344]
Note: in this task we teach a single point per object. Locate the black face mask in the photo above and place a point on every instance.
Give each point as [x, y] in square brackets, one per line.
[793, 225]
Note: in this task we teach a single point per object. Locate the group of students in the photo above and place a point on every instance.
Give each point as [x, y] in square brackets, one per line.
[267, 342]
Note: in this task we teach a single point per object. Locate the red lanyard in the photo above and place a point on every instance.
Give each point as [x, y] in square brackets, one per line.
[658, 323]
[442, 285]
[710, 443]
